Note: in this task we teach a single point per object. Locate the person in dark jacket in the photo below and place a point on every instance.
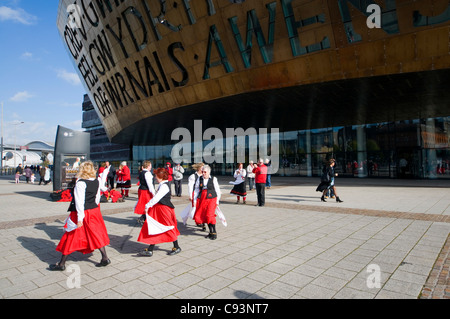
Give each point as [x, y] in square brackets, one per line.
[327, 181]
[111, 175]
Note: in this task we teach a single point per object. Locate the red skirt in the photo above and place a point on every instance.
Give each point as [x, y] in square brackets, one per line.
[91, 236]
[206, 210]
[144, 196]
[166, 216]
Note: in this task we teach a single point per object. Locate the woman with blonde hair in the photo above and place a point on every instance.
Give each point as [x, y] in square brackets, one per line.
[85, 230]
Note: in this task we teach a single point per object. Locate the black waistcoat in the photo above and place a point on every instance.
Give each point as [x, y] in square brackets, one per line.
[166, 200]
[210, 190]
[90, 195]
[142, 182]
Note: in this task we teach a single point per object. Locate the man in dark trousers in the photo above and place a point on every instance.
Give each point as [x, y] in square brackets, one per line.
[260, 171]
[111, 175]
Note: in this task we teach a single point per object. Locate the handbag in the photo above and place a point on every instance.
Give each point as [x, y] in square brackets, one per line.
[325, 177]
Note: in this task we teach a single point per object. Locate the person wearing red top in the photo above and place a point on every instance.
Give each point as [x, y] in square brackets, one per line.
[124, 179]
[260, 171]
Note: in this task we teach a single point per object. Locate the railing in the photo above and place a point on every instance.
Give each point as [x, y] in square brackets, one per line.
[7, 171]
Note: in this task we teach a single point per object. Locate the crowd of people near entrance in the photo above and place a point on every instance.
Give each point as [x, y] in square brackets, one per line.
[85, 229]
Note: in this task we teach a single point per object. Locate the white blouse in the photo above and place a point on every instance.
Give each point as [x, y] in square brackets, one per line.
[163, 189]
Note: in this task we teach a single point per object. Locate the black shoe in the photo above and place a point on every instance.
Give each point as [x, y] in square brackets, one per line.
[103, 263]
[56, 267]
[141, 220]
[174, 251]
[323, 199]
[146, 253]
[212, 236]
[339, 200]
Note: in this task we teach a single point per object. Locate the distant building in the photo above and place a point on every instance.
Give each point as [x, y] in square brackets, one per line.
[101, 148]
[33, 153]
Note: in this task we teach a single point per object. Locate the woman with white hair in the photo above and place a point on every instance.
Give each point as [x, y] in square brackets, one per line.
[124, 179]
[208, 200]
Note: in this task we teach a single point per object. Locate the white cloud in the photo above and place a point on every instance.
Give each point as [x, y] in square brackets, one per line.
[69, 77]
[21, 97]
[28, 56]
[28, 132]
[17, 15]
[75, 125]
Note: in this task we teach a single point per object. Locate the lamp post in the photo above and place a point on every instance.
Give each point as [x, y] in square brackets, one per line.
[15, 138]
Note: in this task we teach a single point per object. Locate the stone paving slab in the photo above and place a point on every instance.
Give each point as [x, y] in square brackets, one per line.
[294, 248]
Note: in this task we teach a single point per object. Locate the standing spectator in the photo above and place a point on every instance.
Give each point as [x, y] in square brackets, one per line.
[269, 171]
[250, 176]
[178, 172]
[260, 171]
[28, 173]
[111, 175]
[169, 170]
[42, 175]
[47, 177]
[19, 172]
[124, 179]
[101, 168]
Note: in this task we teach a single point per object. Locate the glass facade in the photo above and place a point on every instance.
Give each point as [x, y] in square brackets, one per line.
[403, 149]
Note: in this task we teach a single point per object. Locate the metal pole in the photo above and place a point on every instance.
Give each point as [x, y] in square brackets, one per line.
[15, 125]
[15, 144]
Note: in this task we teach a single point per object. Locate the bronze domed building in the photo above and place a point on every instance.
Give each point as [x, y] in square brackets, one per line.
[361, 81]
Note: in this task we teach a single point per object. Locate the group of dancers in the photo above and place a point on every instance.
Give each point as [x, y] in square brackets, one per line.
[85, 230]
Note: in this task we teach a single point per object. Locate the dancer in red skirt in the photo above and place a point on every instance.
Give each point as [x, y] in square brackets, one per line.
[146, 190]
[85, 228]
[207, 202]
[161, 223]
[193, 186]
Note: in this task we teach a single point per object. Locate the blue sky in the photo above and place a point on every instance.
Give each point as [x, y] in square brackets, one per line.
[38, 83]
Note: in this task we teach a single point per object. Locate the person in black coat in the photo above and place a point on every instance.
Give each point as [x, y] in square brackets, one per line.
[111, 175]
[327, 181]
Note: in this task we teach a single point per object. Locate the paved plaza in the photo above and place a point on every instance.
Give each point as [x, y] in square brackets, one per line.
[389, 239]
